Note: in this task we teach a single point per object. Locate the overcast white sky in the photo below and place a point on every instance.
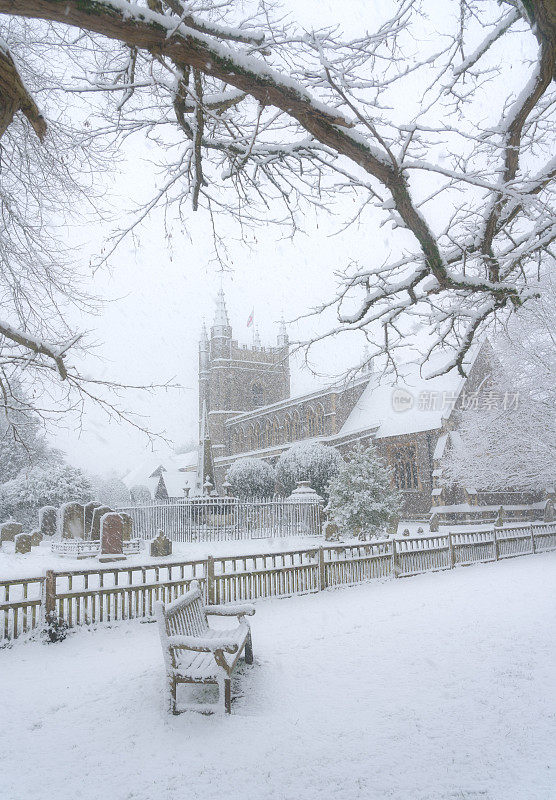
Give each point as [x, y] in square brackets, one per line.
[160, 290]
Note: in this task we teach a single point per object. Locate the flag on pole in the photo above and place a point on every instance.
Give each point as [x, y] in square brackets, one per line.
[251, 318]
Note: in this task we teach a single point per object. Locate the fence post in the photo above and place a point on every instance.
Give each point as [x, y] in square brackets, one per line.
[322, 569]
[394, 559]
[532, 539]
[451, 551]
[211, 583]
[495, 542]
[49, 603]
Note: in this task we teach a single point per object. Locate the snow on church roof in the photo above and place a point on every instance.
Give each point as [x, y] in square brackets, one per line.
[408, 403]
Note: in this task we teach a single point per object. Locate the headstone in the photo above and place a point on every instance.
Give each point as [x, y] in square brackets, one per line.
[330, 530]
[406, 531]
[111, 542]
[72, 521]
[36, 538]
[98, 514]
[22, 543]
[88, 517]
[127, 530]
[549, 511]
[434, 522]
[161, 546]
[9, 530]
[420, 531]
[500, 518]
[48, 520]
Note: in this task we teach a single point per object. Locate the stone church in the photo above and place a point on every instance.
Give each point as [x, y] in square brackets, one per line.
[246, 409]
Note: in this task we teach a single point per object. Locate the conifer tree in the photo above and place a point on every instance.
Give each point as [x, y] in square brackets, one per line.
[362, 499]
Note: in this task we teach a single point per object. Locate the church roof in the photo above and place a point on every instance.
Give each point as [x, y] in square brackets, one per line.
[407, 403]
[178, 471]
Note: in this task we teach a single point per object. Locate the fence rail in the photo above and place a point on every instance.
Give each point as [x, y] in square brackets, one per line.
[208, 519]
[109, 594]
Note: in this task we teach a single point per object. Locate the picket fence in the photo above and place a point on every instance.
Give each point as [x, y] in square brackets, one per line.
[212, 519]
[110, 594]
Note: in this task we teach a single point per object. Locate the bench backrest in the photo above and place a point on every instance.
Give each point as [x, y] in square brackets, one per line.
[186, 615]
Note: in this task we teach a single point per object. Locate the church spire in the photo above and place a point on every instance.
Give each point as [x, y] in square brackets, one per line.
[221, 314]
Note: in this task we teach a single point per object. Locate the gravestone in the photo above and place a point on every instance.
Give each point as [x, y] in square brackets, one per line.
[500, 518]
[48, 520]
[420, 531]
[36, 538]
[22, 543]
[72, 521]
[549, 514]
[434, 522]
[406, 531]
[88, 517]
[98, 514]
[9, 530]
[127, 520]
[111, 542]
[330, 530]
[161, 546]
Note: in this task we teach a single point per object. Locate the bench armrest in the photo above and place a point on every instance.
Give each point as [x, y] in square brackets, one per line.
[203, 645]
[231, 611]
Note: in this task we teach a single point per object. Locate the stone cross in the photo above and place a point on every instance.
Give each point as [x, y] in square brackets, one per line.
[36, 538]
[98, 514]
[161, 546]
[72, 520]
[111, 537]
[88, 517]
[22, 543]
[9, 530]
[48, 520]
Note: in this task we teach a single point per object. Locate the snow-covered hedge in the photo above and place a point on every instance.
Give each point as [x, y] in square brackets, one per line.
[308, 461]
[362, 500]
[42, 485]
[251, 477]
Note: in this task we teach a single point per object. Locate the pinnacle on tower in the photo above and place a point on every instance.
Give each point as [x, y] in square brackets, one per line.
[256, 338]
[282, 332]
[221, 314]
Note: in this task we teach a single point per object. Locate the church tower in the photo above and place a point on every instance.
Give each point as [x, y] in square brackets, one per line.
[235, 378]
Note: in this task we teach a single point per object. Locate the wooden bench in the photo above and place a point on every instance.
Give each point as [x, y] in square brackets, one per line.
[196, 653]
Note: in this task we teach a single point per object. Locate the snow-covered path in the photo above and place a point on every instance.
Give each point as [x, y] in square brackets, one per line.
[438, 687]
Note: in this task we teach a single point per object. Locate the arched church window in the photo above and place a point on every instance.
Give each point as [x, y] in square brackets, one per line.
[267, 433]
[287, 429]
[310, 422]
[259, 437]
[406, 475]
[319, 421]
[257, 395]
[251, 439]
[296, 426]
[275, 432]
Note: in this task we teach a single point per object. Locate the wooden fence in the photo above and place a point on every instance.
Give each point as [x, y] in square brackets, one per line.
[109, 594]
[209, 519]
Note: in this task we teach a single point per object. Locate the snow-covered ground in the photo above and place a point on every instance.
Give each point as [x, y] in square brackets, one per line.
[438, 687]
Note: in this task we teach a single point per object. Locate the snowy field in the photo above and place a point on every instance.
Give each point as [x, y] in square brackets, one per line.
[438, 687]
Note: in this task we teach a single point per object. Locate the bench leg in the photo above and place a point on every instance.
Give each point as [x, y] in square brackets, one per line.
[172, 695]
[249, 649]
[227, 695]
